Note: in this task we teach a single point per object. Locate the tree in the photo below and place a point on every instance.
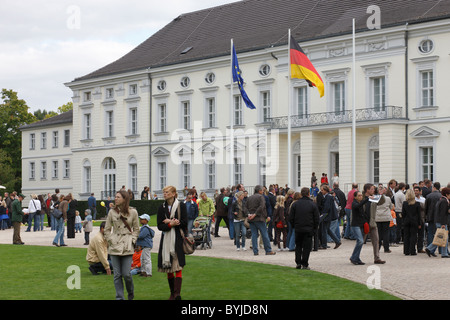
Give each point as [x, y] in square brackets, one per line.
[13, 114]
[65, 107]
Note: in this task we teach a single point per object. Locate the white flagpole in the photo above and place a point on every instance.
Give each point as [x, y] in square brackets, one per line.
[231, 121]
[354, 110]
[289, 114]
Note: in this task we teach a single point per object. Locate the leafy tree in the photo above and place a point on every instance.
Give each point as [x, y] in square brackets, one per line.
[65, 107]
[13, 114]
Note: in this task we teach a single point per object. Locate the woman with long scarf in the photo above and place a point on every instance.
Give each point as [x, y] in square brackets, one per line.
[171, 219]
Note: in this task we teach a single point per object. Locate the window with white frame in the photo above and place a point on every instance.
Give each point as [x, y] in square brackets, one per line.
[211, 112]
[109, 93]
[265, 106]
[66, 169]
[238, 112]
[162, 174]
[133, 173]
[109, 130]
[66, 138]
[55, 169]
[32, 171]
[87, 177]
[43, 170]
[427, 88]
[426, 163]
[378, 93]
[162, 114]
[32, 141]
[338, 96]
[185, 173]
[210, 174]
[302, 101]
[133, 89]
[133, 121]
[237, 171]
[87, 96]
[87, 126]
[55, 140]
[43, 140]
[186, 114]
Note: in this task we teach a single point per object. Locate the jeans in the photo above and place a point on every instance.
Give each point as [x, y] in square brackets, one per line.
[348, 228]
[326, 230]
[431, 230]
[42, 222]
[358, 233]
[432, 247]
[122, 270]
[33, 217]
[261, 226]
[59, 231]
[53, 222]
[240, 231]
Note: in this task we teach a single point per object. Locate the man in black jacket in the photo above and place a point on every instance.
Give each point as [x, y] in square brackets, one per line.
[430, 205]
[304, 217]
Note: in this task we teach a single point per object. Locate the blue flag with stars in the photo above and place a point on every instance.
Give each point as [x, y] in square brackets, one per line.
[238, 78]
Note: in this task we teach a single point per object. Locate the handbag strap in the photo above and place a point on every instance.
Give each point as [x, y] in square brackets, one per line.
[124, 220]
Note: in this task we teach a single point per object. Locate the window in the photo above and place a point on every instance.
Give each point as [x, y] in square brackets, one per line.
[211, 175]
[87, 177]
[186, 173]
[109, 177]
[32, 141]
[378, 93]
[162, 174]
[133, 89]
[238, 119]
[133, 121]
[427, 163]
[32, 171]
[109, 124]
[426, 46]
[55, 139]
[338, 97]
[109, 93]
[132, 167]
[237, 171]
[376, 166]
[211, 112]
[162, 118]
[186, 114]
[43, 140]
[427, 88]
[87, 126]
[302, 102]
[87, 96]
[264, 70]
[55, 169]
[210, 78]
[43, 170]
[161, 85]
[185, 82]
[265, 101]
[66, 169]
[66, 138]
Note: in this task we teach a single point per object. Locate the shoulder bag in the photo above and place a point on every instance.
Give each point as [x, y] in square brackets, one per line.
[188, 241]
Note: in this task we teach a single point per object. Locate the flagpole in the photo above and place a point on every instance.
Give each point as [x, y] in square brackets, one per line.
[290, 185]
[231, 120]
[354, 109]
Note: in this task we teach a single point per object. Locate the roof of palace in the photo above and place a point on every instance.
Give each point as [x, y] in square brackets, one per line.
[62, 118]
[259, 24]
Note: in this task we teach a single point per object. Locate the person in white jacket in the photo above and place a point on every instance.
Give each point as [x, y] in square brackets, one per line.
[34, 213]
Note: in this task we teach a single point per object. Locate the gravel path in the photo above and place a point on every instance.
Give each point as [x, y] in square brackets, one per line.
[408, 277]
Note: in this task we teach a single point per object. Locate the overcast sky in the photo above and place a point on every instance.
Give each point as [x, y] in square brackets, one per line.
[46, 43]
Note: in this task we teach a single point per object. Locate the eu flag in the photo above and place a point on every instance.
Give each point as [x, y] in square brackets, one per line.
[237, 77]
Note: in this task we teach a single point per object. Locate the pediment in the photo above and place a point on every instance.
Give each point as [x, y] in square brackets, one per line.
[424, 132]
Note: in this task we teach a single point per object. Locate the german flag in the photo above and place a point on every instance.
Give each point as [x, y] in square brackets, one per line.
[302, 68]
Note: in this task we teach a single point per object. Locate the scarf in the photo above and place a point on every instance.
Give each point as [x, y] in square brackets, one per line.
[168, 248]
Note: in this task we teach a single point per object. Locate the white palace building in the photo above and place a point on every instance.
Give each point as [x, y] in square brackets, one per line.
[164, 114]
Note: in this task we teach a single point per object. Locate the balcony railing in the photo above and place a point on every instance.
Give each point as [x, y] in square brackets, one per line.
[338, 117]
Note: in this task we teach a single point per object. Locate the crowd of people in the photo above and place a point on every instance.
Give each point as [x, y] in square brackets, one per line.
[302, 222]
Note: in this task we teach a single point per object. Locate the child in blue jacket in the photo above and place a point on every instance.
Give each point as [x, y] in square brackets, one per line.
[145, 240]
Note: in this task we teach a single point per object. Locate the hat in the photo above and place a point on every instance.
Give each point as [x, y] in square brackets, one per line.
[88, 211]
[21, 195]
[145, 217]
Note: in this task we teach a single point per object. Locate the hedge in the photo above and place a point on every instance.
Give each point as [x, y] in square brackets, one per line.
[149, 207]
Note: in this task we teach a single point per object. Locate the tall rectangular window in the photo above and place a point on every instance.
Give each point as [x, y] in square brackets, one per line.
[211, 112]
[162, 117]
[427, 88]
[237, 105]
[186, 114]
[186, 173]
[32, 141]
[338, 97]
[43, 170]
[162, 174]
[265, 100]
[378, 93]
[110, 124]
[211, 172]
[32, 171]
[43, 140]
[237, 171]
[55, 169]
[87, 126]
[66, 138]
[302, 102]
[55, 140]
[427, 163]
[87, 179]
[133, 121]
[66, 169]
[133, 177]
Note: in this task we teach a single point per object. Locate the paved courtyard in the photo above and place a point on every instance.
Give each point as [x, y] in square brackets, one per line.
[408, 277]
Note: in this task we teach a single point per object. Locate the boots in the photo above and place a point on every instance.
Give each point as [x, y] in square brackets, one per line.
[177, 288]
[171, 286]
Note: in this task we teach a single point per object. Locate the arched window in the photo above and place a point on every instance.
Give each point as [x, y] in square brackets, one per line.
[109, 178]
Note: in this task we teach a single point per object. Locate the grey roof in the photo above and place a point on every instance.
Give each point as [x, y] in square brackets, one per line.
[62, 118]
[259, 24]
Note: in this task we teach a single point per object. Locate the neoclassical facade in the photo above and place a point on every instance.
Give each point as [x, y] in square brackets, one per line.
[168, 112]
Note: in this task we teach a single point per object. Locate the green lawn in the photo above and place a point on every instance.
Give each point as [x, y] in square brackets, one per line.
[40, 273]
